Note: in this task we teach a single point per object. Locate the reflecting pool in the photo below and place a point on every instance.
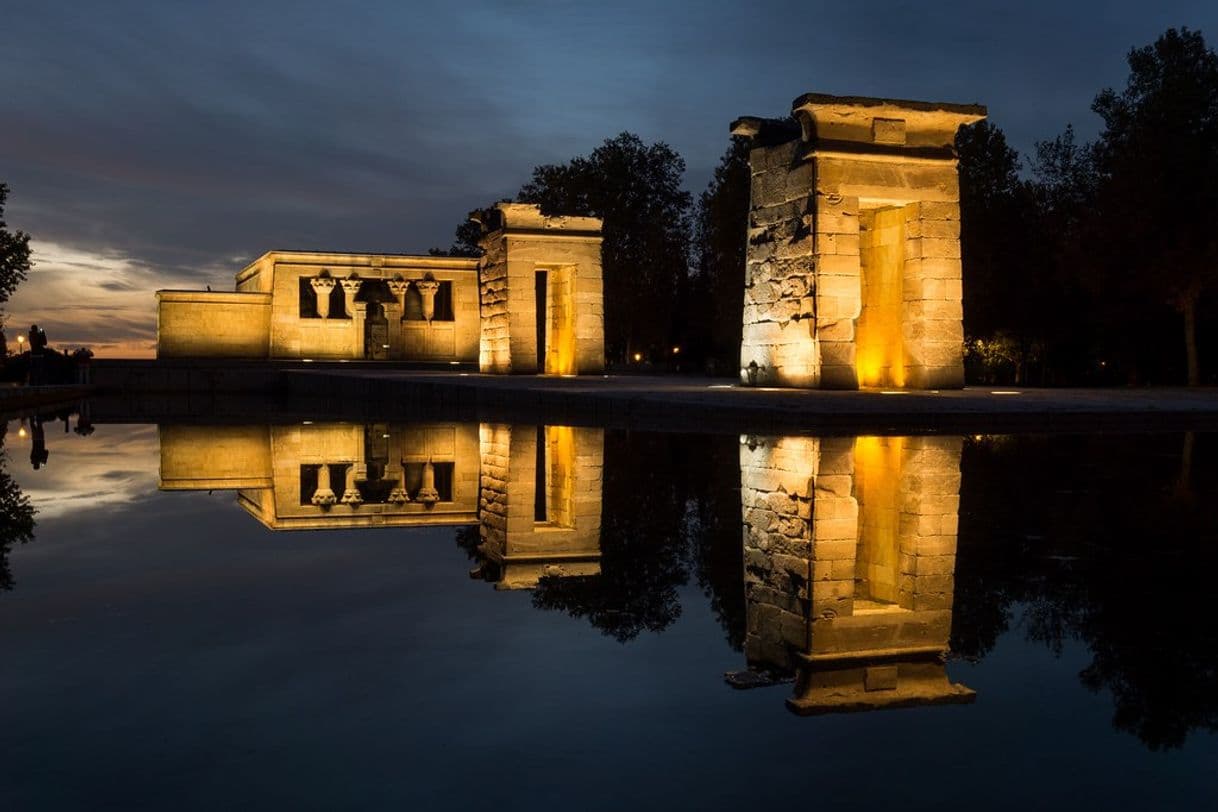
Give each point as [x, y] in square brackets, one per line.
[325, 615]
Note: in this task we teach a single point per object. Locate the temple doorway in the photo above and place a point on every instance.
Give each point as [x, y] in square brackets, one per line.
[555, 294]
[376, 333]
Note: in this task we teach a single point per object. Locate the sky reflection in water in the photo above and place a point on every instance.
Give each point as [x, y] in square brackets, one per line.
[165, 649]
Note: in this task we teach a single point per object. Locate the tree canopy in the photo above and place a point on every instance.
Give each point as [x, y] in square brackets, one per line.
[1156, 167]
[635, 188]
[14, 253]
[720, 232]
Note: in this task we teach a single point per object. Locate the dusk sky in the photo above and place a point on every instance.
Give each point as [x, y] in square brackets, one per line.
[164, 145]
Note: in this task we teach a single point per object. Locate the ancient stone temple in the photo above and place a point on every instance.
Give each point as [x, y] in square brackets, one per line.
[853, 271]
[533, 304]
[297, 305]
[849, 554]
[542, 298]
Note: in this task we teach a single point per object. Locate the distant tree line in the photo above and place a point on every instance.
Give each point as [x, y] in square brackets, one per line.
[1087, 263]
[1101, 267]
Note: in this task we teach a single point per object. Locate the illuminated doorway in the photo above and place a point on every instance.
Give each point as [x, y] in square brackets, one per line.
[555, 297]
[376, 333]
[880, 343]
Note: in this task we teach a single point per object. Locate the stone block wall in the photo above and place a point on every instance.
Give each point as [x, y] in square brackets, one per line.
[849, 551]
[567, 542]
[494, 349]
[778, 345]
[198, 324]
[859, 185]
[933, 292]
[777, 476]
[214, 457]
[342, 335]
[518, 243]
[263, 318]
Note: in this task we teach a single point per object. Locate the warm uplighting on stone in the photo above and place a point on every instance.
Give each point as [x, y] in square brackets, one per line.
[297, 305]
[853, 263]
[849, 552]
[542, 301]
[533, 303]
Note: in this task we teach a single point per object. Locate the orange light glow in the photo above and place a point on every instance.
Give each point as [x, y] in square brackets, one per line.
[880, 347]
[877, 470]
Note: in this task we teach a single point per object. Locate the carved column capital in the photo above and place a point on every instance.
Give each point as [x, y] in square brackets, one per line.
[322, 285]
[323, 496]
[428, 495]
[427, 289]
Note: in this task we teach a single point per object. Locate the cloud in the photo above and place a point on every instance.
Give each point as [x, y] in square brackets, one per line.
[114, 465]
[102, 300]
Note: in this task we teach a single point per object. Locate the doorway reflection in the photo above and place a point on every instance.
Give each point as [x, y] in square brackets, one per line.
[849, 556]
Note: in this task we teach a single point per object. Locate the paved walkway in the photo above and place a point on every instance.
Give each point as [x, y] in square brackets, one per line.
[693, 403]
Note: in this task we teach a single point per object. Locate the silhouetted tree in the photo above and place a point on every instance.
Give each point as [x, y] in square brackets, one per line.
[16, 516]
[671, 509]
[993, 225]
[720, 235]
[636, 189]
[1157, 175]
[1103, 547]
[643, 559]
[465, 242]
[14, 253]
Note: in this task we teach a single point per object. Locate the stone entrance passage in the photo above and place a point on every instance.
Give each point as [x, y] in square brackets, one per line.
[541, 293]
[376, 333]
[853, 274]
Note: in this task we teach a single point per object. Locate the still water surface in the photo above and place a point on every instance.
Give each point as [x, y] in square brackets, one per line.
[326, 616]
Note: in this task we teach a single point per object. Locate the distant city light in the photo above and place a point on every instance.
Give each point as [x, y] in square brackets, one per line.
[638, 356]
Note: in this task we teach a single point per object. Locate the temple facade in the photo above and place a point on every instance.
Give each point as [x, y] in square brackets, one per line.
[853, 274]
[532, 304]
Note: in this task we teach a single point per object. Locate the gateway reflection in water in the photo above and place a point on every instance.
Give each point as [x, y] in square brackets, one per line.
[533, 492]
[849, 543]
[849, 551]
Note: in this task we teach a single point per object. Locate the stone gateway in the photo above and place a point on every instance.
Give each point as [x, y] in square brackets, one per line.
[852, 273]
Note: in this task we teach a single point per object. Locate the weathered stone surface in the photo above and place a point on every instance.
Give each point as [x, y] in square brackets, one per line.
[883, 305]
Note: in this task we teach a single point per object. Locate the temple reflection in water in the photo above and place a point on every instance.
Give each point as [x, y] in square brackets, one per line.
[849, 555]
[849, 543]
[533, 492]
